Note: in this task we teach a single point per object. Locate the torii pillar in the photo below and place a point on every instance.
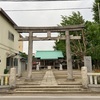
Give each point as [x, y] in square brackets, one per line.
[30, 54]
[69, 59]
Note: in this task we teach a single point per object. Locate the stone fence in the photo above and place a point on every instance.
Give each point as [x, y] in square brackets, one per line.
[94, 78]
[4, 79]
[8, 80]
[90, 80]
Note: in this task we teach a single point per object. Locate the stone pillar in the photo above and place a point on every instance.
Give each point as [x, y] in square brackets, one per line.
[88, 63]
[39, 63]
[30, 54]
[84, 77]
[2, 80]
[19, 67]
[60, 67]
[69, 59]
[49, 67]
[37, 67]
[12, 79]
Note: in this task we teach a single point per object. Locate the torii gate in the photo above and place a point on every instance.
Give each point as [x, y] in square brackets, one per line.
[48, 30]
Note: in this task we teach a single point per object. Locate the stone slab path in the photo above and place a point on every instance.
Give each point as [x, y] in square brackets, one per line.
[49, 79]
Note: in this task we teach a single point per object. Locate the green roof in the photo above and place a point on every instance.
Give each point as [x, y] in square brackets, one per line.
[49, 54]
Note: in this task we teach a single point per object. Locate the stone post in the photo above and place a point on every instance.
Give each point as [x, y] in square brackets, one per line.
[39, 63]
[12, 79]
[30, 54]
[60, 67]
[88, 63]
[19, 67]
[49, 67]
[37, 67]
[84, 77]
[69, 59]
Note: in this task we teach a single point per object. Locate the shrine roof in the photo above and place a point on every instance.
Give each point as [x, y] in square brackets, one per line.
[49, 54]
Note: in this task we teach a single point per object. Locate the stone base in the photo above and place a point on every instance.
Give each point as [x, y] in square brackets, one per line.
[37, 67]
[94, 88]
[71, 79]
[60, 68]
[19, 76]
[12, 87]
[29, 80]
[49, 67]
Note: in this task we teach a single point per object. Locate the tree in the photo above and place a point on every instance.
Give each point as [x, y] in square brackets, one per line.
[61, 46]
[74, 19]
[94, 37]
[93, 41]
[96, 11]
[77, 46]
[90, 39]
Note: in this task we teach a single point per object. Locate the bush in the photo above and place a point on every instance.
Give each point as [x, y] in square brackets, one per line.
[6, 71]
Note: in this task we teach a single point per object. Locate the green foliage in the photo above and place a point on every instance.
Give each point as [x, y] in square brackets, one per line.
[90, 40]
[77, 46]
[95, 10]
[24, 55]
[6, 71]
[73, 19]
[61, 45]
[93, 40]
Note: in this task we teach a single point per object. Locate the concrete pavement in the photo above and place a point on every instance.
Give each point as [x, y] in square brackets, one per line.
[50, 77]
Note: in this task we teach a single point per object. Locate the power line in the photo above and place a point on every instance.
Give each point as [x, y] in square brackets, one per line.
[36, 0]
[49, 9]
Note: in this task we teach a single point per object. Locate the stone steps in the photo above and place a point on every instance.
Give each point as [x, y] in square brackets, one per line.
[48, 89]
[36, 89]
[51, 92]
[57, 86]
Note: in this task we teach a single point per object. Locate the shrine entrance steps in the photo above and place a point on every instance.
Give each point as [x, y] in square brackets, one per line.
[60, 89]
[51, 82]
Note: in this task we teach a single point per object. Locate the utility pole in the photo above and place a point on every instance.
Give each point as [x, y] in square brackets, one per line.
[99, 11]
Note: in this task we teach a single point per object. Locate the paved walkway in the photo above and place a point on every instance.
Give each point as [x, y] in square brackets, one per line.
[49, 79]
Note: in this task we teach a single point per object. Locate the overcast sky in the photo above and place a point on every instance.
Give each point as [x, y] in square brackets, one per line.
[44, 18]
